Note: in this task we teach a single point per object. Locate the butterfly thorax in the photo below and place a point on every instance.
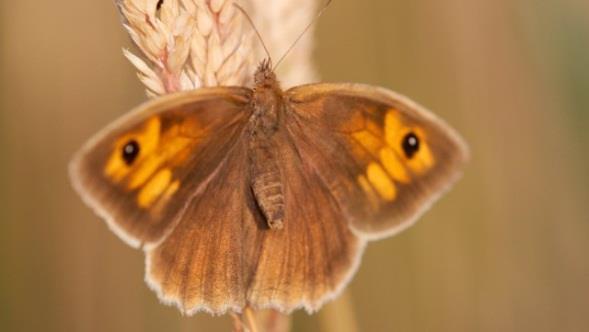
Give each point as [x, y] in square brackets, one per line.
[267, 97]
[265, 177]
[267, 103]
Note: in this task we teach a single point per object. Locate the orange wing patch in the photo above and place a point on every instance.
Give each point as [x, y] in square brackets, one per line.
[393, 165]
[381, 181]
[161, 148]
[390, 165]
[156, 186]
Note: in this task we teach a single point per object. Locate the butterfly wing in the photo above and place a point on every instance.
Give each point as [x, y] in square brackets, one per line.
[140, 171]
[210, 248]
[223, 255]
[384, 158]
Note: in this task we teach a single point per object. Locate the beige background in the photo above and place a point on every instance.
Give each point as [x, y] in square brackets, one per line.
[506, 250]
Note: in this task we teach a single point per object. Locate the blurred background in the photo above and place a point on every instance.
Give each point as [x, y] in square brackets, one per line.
[506, 250]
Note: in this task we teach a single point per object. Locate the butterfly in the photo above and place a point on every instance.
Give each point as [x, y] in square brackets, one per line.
[263, 197]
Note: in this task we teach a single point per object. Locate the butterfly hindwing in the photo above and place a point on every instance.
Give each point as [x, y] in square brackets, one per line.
[384, 158]
[202, 265]
[138, 172]
[312, 258]
[223, 255]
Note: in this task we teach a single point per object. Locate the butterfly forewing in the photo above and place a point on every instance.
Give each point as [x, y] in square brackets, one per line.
[384, 158]
[132, 172]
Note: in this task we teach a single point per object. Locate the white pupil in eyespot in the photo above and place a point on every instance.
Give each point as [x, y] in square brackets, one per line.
[130, 151]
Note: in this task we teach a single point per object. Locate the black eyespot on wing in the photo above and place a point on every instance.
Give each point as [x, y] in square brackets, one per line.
[159, 4]
[410, 145]
[130, 152]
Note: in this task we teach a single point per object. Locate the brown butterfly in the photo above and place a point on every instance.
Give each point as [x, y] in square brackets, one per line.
[265, 197]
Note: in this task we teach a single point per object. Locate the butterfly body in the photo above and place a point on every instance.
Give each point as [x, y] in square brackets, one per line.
[265, 174]
[265, 197]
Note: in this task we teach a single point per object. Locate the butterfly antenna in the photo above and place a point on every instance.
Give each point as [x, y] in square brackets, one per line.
[319, 13]
[249, 19]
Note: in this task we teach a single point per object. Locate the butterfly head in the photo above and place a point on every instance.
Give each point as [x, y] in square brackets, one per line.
[264, 78]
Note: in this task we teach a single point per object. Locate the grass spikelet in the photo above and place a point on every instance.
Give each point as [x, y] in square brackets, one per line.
[187, 44]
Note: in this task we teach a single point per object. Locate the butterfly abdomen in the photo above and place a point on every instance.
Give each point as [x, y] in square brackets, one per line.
[266, 182]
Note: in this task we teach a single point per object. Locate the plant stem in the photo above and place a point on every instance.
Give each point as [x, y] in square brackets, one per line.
[250, 319]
